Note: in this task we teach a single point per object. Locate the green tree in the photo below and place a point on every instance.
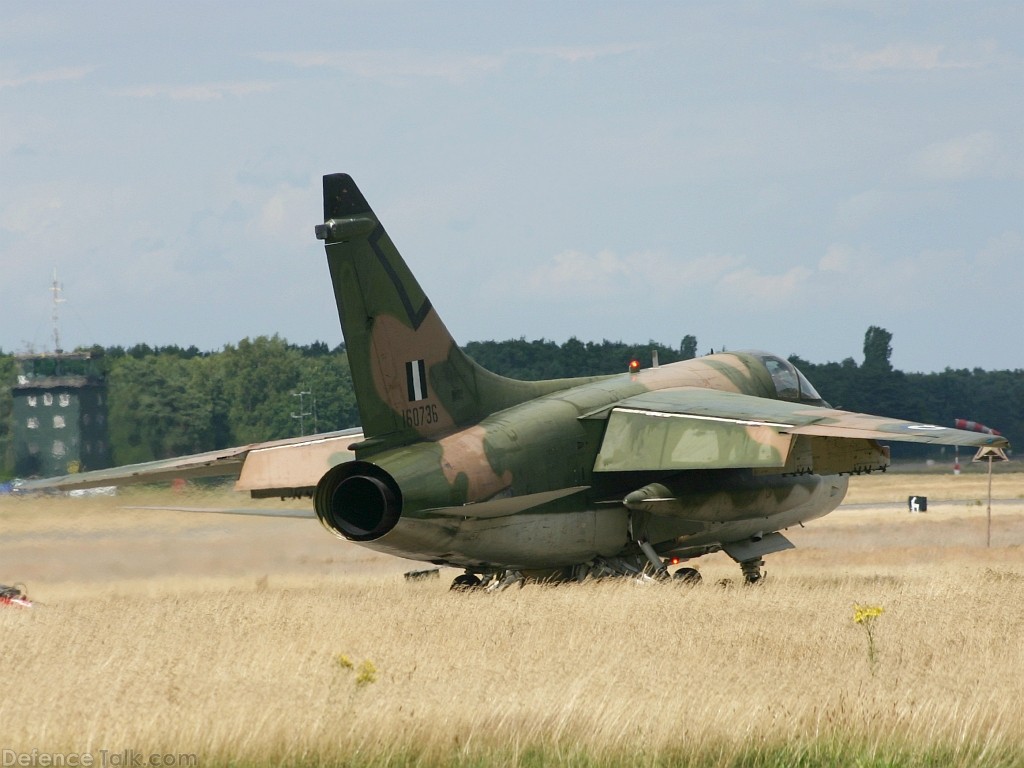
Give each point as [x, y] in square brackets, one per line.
[544, 359]
[159, 406]
[688, 347]
[877, 350]
[332, 399]
[260, 376]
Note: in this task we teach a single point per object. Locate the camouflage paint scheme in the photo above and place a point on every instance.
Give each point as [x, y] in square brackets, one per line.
[463, 467]
[288, 467]
[456, 465]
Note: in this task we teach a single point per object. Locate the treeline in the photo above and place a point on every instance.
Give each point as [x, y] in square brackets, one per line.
[994, 398]
[173, 402]
[543, 359]
[168, 401]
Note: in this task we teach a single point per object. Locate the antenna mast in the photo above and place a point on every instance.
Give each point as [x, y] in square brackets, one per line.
[58, 299]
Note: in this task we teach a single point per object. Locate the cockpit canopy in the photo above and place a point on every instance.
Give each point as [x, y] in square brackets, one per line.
[790, 384]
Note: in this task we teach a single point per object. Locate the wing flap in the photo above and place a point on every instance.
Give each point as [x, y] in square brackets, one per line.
[694, 428]
[638, 440]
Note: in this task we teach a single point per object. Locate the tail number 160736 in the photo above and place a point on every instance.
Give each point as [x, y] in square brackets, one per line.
[420, 415]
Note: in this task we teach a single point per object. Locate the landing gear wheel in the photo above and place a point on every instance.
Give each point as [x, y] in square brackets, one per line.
[752, 571]
[465, 582]
[687, 576]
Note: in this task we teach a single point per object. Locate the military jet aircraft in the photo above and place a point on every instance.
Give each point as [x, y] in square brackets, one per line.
[509, 480]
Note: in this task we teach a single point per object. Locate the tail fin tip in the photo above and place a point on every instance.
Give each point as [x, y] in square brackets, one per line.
[342, 197]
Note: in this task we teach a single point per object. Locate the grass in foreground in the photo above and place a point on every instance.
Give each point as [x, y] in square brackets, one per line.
[243, 642]
[598, 674]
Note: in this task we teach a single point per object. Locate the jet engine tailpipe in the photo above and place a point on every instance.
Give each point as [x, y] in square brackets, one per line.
[358, 501]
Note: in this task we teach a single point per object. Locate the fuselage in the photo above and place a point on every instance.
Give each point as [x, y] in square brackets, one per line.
[519, 488]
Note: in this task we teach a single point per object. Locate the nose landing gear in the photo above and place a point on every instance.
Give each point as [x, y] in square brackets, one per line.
[752, 571]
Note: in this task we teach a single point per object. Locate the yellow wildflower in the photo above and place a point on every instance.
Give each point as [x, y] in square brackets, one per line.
[367, 673]
[343, 661]
[865, 613]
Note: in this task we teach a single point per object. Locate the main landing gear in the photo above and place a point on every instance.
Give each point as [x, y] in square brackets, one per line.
[636, 569]
[688, 576]
[600, 568]
[490, 582]
[465, 582]
[645, 565]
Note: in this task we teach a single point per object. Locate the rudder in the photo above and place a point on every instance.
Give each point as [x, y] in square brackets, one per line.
[411, 379]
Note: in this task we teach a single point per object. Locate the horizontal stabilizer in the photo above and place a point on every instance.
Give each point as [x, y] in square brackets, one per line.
[298, 463]
[298, 514]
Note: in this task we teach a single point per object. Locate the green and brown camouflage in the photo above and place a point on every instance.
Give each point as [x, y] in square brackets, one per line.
[601, 475]
[463, 467]
[411, 379]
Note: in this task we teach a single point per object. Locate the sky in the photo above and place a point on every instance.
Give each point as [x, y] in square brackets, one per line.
[760, 175]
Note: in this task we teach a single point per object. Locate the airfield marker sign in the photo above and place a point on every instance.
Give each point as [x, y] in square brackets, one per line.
[991, 454]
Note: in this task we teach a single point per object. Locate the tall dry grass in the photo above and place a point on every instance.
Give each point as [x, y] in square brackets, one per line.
[250, 675]
[271, 669]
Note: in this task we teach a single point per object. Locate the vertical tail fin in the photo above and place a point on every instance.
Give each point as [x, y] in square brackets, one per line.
[411, 379]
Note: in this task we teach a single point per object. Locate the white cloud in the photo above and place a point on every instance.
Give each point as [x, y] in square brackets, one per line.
[923, 281]
[393, 65]
[576, 271]
[734, 279]
[44, 76]
[199, 91]
[837, 258]
[1004, 249]
[758, 290]
[578, 53]
[861, 208]
[963, 157]
[645, 273]
[396, 65]
[703, 135]
[905, 56]
[29, 212]
[285, 213]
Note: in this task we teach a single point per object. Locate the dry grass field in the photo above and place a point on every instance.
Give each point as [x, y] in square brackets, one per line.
[226, 640]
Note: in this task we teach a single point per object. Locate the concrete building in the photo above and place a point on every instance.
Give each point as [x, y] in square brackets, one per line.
[59, 415]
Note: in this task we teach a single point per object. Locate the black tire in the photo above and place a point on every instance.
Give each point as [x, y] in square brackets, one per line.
[466, 581]
[688, 576]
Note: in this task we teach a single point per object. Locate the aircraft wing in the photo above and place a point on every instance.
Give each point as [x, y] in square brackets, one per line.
[289, 467]
[695, 428]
